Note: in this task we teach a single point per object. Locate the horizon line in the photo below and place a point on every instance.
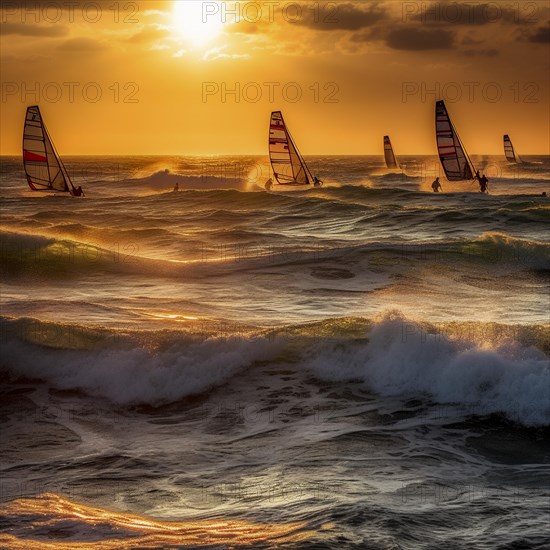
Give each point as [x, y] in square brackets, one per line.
[523, 154]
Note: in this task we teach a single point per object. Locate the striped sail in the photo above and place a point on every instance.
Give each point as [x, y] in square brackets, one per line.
[289, 168]
[43, 167]
[453, 156]
[509, 149]
[388, 153]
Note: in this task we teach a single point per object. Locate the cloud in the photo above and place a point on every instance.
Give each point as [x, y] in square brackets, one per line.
[470, 40]
[465, 13]
[347, 16]
[541, 35]
[82, 44]
[27, 29]
[147, 35]
[414, 39]
[69, 5]
[218, 53]
[247, 27]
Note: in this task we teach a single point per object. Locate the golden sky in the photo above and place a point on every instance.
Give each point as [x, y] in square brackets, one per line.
[153, 78]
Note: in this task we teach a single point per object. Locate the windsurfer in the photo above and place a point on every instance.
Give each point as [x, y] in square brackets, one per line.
[483, 183]
[316, 182]
[269, 184]
[436, 186]
[77, 191]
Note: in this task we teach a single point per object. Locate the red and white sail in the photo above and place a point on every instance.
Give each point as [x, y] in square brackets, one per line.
[289, 168]
[454, 158]
[43, 167]
[391, 162]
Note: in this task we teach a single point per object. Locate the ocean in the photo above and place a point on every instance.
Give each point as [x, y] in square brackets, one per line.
[364, 365]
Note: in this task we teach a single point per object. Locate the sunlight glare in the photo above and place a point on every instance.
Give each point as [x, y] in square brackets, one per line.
[197, 21]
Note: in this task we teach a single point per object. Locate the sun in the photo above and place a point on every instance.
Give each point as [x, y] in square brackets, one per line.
[197, 21]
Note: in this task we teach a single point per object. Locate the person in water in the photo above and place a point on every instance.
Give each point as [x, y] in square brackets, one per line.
[483, 184]
[268, 184]
[436, 186]
[177, 186]
[317, 182]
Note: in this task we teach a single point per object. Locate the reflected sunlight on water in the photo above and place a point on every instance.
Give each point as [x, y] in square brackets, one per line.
[55, 519]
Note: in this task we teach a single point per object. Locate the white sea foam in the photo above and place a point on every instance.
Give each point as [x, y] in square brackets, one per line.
[127, 375]
[401, 359]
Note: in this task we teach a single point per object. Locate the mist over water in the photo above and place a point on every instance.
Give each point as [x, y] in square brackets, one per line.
[316, 369]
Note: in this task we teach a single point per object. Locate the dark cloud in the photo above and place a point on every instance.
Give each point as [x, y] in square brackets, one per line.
[369, 35]
[541, 35]
[85, 11]
[27, 29]
[81, 45]
[464, 13]
[32, 5]
[415, 39]
[350, 17]
[469, 40]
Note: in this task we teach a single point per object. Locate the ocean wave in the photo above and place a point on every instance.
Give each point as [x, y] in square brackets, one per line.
[406, 358]
[127, 371]
[166, 179]
[42, 256]
[483, 367]
[503, 247]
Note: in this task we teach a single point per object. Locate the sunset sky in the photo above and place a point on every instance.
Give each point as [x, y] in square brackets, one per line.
[364, 69]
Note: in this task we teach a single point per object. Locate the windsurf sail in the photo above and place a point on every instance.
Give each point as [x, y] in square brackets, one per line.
[388, 153]
[43, 167]
[289, 167]
[509, 151]
[454, 158]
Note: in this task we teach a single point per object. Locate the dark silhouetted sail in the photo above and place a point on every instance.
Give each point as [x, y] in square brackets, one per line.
[388, 153]
[43, 167]
[453, 156]
[511, 155]
[289, 168]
